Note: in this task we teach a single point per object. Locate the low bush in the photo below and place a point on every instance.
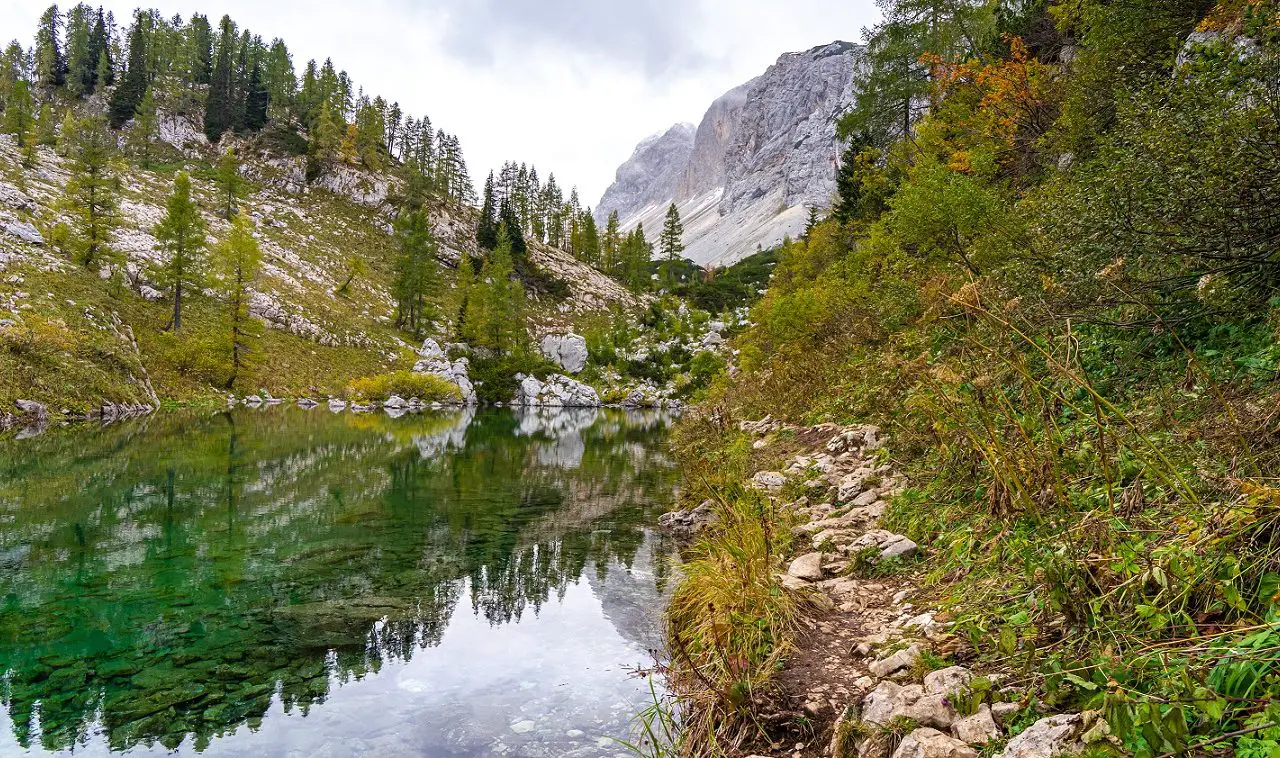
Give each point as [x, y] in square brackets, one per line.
[406, 384]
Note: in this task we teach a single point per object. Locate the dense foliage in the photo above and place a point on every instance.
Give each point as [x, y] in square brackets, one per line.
[1051, 275]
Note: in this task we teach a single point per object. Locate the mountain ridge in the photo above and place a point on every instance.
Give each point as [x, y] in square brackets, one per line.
[762, 155]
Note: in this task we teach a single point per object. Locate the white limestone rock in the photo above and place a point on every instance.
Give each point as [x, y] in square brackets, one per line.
[569, 351]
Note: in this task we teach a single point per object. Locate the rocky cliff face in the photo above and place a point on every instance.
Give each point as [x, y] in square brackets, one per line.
[764, 153]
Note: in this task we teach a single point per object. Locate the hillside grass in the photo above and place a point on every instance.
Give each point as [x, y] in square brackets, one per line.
[1076, 364]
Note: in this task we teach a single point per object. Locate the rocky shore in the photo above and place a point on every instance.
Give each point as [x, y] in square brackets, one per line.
[873, 672]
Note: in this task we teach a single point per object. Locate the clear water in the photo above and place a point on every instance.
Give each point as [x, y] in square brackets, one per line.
[299, 583]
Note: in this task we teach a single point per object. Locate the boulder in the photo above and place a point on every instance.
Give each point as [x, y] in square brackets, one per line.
[395, 402]
[32, 409]
[434, 361]
[978, 729]
[930, 743]
[688, 523]
[557, 391]
[807, 567]
[896, 662]
[888, 701]
[948, 681]
[1064, 734]
[769, 481]
[1004, 712]
[25, 232]
[569, 351]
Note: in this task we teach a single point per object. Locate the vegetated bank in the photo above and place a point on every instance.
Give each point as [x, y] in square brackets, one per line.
[1057, 297]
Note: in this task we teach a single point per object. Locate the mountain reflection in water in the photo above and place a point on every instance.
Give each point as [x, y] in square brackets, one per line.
[282, 582]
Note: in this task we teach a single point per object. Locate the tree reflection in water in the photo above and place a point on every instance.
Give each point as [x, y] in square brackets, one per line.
[168, 578]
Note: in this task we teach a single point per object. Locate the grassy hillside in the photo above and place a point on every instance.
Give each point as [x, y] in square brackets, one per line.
[74, 338]
[1058, 297]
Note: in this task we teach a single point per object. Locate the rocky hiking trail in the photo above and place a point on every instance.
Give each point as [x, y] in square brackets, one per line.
[872, 671]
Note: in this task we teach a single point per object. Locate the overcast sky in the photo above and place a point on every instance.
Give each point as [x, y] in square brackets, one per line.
[568, 85]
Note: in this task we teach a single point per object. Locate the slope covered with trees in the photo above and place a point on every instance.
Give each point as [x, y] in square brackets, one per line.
[1050, 276]
[170, 186]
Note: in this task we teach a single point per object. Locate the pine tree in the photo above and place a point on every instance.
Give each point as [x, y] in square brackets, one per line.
[143, 132]
[487, 228]
[104, 73]
[257, 100]
[416, 273]
[46, 130]
[278, 77]
[671, 241]
[18, 112]
[199, 49]
[92, 194]
[495, 309]
[181, 234]
[239, 257]
[511, 224]
[610, 243]
[230, 183]
[218, 111]
[125, 99]
[81, 61]
[811, 223]
[464, 283]
[50, 65]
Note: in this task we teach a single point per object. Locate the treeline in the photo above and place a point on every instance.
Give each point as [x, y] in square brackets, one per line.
[234, 82]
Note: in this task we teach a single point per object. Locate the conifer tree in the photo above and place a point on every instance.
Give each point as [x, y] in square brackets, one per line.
[278, 77]
[18, 112]
[199, 49]
[46, 131]
[464, 284]
[239, 257]
[495, 309]
[143, 132]
[508, 220]
[231, 185]
[50, 65]
[218, 111]
[416, 274]
[81, 62]
[257, 100]
[671, 241]
[93, 191]
[104, 73]
[610, 243]
[487, 228]
[181, 234]
[125, 99]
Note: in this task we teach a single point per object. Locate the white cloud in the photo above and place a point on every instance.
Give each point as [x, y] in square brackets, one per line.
[568, 85]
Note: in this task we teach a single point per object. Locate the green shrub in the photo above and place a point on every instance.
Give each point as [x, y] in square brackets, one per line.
[406, 384]
[495, 377]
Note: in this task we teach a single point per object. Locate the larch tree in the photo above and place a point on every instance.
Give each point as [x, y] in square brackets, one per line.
[181, 234]
[239, 259]
[92, 193]
[143, 132]
[416, 272]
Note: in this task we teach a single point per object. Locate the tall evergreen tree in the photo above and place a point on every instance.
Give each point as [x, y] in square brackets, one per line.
[278, 77]
[199, 49]
[487, 228]
[495, 309]
[239, 257]
[50, 64]
[104, 74]
[19, 111]
[125, 99]
[610, 243]
[92, 194]
[81, 60]
[416, 274]
[142, 134]
[257, 100]
[219, 107]
[671, 241]
[181, 234]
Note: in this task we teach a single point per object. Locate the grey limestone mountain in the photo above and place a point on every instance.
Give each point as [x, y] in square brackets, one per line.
[764, 153]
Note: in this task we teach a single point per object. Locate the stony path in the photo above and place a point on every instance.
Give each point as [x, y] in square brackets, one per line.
[859, 682]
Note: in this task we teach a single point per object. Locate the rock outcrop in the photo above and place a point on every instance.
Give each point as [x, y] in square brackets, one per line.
[569, 351]
[556, 391]
[764, 153]
[434, 361]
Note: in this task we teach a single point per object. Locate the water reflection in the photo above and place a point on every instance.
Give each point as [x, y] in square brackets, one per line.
[170, 581]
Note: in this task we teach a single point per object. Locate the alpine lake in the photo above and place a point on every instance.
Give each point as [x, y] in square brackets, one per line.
[281, 582]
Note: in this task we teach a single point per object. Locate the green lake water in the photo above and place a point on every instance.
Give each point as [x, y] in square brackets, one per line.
[302, 583]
